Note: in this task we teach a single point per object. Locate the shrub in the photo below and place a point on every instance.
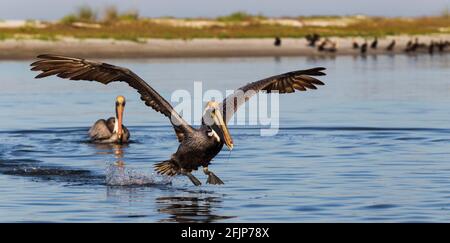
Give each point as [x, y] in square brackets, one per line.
[236, 17]
[110, 14]
[130, 15]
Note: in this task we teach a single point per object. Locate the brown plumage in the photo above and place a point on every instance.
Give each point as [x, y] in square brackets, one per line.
[284, 83]
[198, 146]
[81, 69]
[103, 132]
[111, 130]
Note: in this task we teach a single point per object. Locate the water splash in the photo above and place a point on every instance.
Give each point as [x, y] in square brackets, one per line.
[119, 175]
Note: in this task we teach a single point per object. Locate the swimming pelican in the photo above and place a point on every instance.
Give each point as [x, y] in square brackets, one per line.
[111, 130]
[198, 146]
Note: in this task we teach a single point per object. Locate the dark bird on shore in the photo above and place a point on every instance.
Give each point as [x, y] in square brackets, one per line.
[327, 46]
[441, 45]
[312, 39]
[277, 41]
[355, 45]
[332, 48]
[408, 45]
[363, 49]
[391, 46]
[431, 48]
[321, 47]
[412, 46]
[374, 43]
[111, 130]
[198, 146]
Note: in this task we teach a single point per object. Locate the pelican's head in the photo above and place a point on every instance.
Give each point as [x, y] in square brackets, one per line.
[213, 118]
[120, 106]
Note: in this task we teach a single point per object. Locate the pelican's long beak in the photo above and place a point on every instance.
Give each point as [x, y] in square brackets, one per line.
[120, 106]
[218, 119]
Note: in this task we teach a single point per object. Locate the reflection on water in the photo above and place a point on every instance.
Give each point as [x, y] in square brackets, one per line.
[371, 145]
[107, 148]
[190, 209]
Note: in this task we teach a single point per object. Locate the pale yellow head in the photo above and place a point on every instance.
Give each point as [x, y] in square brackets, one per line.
[213, 108]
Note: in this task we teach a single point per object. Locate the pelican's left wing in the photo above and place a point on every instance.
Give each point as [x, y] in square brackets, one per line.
[82, 69]
[284, 83]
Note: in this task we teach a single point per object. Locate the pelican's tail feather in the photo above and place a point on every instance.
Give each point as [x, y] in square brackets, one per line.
[167, 168]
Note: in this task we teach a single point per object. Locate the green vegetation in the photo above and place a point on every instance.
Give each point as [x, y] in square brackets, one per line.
[110, 14]
[446, 13]
[83, 14]
[239, 17]
[129, 26]
[86, 14]
[130, 15]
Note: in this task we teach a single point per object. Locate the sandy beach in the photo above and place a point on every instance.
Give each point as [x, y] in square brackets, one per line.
[151, 48]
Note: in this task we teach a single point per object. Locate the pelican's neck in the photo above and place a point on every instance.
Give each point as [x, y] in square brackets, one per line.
[116, 125]
[215, 135]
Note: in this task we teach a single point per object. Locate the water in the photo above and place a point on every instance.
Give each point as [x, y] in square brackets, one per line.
[371, 145]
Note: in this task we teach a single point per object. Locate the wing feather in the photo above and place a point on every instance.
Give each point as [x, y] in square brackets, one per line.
[284, 83]
[82, 69]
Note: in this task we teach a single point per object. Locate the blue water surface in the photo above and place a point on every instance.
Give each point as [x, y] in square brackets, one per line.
[372, 145]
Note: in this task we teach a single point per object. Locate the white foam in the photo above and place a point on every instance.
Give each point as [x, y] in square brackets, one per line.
[122, 176]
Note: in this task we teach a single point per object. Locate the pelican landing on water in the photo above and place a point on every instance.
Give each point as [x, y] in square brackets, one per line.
[111, 130]
[198, 146]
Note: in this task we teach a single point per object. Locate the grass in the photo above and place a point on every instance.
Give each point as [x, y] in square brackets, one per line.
[239, 17]
[129, 26]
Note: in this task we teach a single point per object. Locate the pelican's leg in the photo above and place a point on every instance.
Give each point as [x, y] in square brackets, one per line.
[212, 178]
[191, 177]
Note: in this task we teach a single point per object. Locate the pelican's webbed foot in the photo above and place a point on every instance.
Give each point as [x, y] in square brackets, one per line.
[212, 178]
[191, 177]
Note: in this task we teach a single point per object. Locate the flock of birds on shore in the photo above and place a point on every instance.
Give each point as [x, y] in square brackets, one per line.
[413, 46]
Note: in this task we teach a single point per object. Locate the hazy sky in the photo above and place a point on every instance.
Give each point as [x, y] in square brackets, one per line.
[55, 9]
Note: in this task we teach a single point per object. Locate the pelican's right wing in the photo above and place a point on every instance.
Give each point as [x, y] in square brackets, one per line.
[82, 69]
[284, 83]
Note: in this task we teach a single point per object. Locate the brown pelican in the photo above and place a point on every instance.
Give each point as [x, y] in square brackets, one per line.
[198, 146]
[111, 130]
[355, 45]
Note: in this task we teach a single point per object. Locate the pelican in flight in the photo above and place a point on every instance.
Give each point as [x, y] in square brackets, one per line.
[197, 146]
[111, 130]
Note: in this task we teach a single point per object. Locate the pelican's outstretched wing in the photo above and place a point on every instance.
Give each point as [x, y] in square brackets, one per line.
[81, 69]
[284, 83]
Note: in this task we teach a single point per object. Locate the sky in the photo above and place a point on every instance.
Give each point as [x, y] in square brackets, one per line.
[55, 9]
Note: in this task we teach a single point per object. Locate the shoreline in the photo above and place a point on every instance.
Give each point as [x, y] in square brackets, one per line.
[11, 49]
